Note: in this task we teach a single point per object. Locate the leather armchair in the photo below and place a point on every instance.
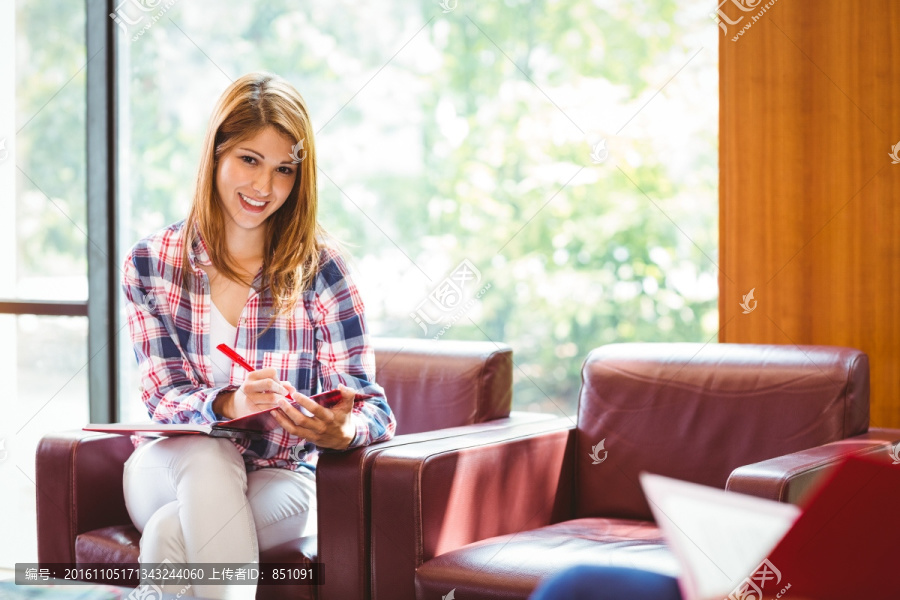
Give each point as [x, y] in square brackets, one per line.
[491, 514]
[436, 389]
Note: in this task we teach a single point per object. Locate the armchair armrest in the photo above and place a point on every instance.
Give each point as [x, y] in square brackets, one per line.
[436, 496]
[343, 493]
[790, 478]
[79, 488]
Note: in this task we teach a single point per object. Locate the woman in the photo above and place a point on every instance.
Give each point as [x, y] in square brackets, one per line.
[250, 267]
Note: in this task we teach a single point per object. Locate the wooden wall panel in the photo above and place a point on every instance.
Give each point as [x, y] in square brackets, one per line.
[809, 200]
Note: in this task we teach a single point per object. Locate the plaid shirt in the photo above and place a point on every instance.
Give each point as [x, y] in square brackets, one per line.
[322, 343]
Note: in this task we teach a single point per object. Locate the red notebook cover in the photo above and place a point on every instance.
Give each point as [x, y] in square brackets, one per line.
[263, 421]
[252, 426]
[844, 544]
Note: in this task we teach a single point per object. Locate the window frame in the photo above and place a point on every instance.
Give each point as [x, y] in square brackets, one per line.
[101, 307]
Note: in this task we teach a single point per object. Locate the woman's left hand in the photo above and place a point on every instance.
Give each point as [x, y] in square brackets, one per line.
[327, 428]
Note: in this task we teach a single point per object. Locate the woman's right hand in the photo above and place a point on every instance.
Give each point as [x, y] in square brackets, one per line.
[259, 391]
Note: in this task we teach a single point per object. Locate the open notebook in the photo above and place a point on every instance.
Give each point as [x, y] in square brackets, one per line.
[249, 426]
[735, 547]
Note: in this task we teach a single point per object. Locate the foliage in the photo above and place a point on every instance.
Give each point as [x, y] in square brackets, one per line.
[466, 134]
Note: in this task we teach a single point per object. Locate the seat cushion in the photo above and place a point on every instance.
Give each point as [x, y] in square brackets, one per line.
[512, 566]
[121, 544]
[116, 544]
[298, 552]
[301, 550]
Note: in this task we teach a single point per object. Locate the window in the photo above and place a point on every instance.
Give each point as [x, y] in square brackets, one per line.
[43, 361]
[463, 138]
[540, 173]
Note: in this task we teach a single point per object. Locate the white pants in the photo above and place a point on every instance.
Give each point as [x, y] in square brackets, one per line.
[194, 502]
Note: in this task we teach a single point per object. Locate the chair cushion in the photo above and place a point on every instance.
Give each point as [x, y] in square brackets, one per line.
[301, 550]
[121, 544]
[115, 544]
[697, 412]
[512, 566]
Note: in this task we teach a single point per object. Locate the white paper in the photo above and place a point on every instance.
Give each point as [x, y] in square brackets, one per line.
[718, 537]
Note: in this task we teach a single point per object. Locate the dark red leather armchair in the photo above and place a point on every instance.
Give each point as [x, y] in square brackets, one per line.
[436, 389]
[491, 514]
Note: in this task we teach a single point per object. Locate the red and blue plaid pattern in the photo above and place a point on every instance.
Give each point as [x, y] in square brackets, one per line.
[321, 344]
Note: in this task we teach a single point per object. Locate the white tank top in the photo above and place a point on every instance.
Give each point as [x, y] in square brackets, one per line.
[220, 332]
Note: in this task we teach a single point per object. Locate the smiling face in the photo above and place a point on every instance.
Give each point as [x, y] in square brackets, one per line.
[254, 178]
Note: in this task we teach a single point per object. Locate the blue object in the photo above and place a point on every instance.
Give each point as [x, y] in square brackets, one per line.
[607, 583]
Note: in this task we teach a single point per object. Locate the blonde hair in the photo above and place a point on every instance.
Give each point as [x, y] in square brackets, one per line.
[294, 237]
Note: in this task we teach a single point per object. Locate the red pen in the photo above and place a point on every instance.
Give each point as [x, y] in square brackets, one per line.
[227, 351]
[327, 399]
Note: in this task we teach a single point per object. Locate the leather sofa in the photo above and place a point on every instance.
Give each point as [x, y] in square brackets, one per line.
[489, 515]
[436, 389]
